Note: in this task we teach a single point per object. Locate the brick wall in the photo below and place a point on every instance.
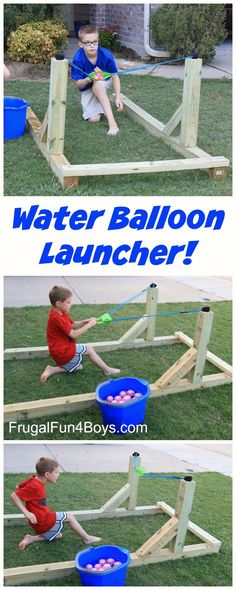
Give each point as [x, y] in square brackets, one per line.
[127, 17]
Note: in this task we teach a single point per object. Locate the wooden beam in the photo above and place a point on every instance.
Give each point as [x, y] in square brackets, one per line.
[35, 573]
[44, 129]
[218, 173]
[74, 403]
[159, 539]
[174, 121]
[212, 358]
[193, 528]
[152, 125]
[166, 555]
[200, 342]
[48, 407]
[182, 512]
[57, 106]
[191, 102]
[178, 369]
[157, 128]
[117, 499]
[83, 515]
[73, 170]
[208, 381]
[42, 351]
[136, 330]
[34, 126]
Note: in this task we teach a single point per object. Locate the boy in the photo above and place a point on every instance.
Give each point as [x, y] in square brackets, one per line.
[94, 100]
[62, 332]
[46, 524]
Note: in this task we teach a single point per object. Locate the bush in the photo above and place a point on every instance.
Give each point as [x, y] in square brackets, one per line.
[108, 37]
[36, 42]
[19, 14]
[182, 29]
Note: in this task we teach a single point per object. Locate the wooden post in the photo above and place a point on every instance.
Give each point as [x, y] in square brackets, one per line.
[151, 308]
[57, 106]
[182, 512]
[191, 102]
[201, 342]
[133, 480]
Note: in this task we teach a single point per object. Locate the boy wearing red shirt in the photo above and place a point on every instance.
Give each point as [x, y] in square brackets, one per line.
[62, 332]
[46, 524]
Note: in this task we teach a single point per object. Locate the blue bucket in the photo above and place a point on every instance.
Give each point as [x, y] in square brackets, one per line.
[131, 413]
[14, 117]
[113, 577]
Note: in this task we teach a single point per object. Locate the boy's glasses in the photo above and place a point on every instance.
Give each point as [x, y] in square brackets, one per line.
[89, 43]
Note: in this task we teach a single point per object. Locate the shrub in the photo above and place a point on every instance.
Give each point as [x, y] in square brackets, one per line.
[19, 14]
[184, 28]
[108, 37]
[36, 42]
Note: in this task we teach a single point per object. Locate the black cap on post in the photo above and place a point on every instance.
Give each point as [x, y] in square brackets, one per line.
[152, 286]
[188, 478]
[194, 55]
[60, 56]
[206, 308]
[135, 454]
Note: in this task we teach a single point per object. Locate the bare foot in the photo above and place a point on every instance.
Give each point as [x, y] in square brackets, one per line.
[113, 130]
[59, 536]
[48, 372]
[26, 541]
[111, 371]
[80, 368]
[91, 539]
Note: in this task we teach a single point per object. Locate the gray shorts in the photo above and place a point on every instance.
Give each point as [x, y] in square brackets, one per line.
[76, 361]
[57, 528]
[89, 102]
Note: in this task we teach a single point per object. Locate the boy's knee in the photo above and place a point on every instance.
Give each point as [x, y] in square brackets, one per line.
[89, 350]
[95, 119]
[98, 88]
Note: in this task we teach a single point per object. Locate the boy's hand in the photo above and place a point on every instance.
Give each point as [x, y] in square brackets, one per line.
[31, 517]
[92, 322]
[119, 104]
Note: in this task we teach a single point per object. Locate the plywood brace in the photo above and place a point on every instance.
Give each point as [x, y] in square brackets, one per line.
[49, 136]
[154, 550]
[186, 374]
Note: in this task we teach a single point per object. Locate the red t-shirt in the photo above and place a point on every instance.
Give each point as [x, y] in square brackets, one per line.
[61, 347]
[33, 493]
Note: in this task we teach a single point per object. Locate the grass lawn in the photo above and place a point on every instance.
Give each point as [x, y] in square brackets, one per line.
[86, 143]
[211, 511]
[204, 414]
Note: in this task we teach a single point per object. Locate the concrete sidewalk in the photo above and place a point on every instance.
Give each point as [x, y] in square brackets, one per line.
[24, 291]
[114, 457]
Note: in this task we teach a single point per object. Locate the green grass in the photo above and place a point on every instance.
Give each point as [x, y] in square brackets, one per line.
[203, 414]
[211, 511]
[86, 143]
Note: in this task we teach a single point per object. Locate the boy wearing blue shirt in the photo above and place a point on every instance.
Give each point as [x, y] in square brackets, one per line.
[94, 99]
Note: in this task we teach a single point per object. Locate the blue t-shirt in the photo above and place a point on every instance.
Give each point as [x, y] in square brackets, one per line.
[105, 61]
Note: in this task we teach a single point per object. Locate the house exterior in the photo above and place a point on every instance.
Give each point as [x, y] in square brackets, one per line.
[131, 20]
[128, 18]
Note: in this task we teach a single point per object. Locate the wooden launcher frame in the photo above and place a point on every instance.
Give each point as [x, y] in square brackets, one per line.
[49, 135]
[186, 374]
[167, 543]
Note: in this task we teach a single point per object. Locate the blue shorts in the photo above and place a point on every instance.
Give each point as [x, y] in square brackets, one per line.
[57, 528]
[76, 361]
